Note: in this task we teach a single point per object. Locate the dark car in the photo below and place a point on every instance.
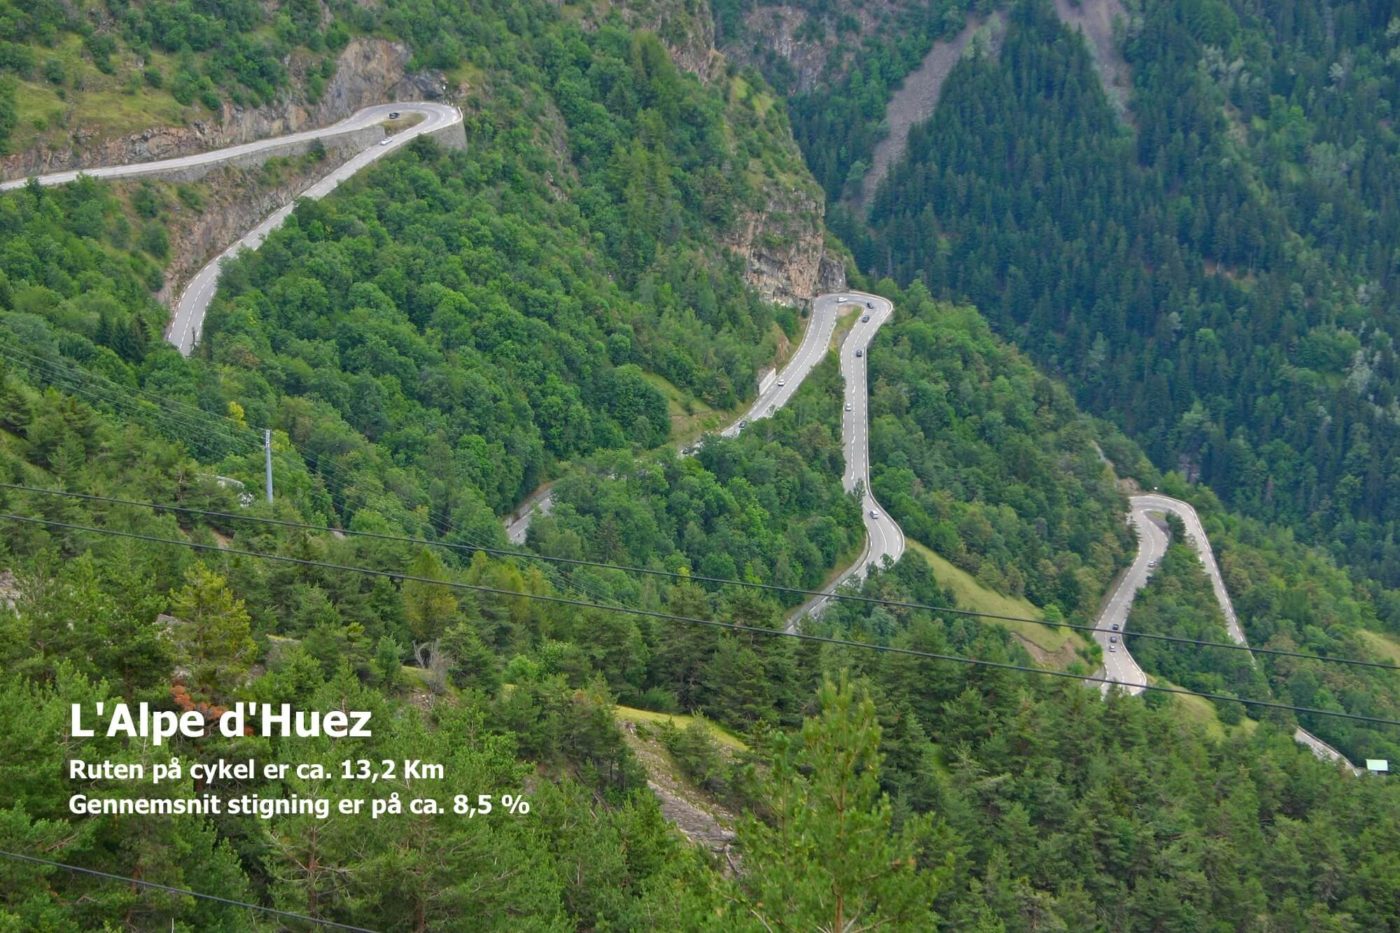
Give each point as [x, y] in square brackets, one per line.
[860, 353]
[864, 318]
[870, 305]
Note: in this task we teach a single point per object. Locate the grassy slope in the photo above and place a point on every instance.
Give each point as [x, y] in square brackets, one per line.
[973, 595]
[1202, 712]
[108, 105]
[680, 721]
[1385, 646]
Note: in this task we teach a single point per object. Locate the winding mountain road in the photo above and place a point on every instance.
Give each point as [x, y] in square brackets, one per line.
[188, 319]
[1152, 544]
[884, 538]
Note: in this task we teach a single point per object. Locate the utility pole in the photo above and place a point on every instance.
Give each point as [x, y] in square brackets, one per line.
[267, 458]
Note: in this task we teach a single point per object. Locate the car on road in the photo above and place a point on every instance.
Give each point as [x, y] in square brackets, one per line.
[1152, 564]
[859, 352]
[1112, 647]
[874, 514]
[782, 382]
[841, 301]
[870, 305]
[743, 423]
[393, 114]
[864, 318]
[1113, 639]
[1115, 626]
[385, 142]
[848, 406]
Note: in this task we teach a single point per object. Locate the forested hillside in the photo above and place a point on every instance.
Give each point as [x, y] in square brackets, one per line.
[993, 781]
[70, 67]
[837, 65]
[450, 329]
[1218, 276]
[988, 462]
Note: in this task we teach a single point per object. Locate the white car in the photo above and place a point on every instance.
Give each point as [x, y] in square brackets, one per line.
[848, 406]
[841, 301]
[874, 514]
[782, 382]
[385, 142]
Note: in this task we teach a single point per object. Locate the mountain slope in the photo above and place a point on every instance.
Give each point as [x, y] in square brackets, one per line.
[1209, 277]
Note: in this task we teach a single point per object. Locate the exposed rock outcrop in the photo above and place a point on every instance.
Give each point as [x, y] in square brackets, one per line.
[701, 820]
[688, 32]
[782, 244]
[368, 71]
[807, 42]
[784, 247]
[9, 590]
[236, 199]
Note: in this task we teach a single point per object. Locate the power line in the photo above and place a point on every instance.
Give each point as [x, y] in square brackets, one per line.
[187, 419]
[852, 597]
[108, 876]
[221, 427]
[690, 620]
[105, 392]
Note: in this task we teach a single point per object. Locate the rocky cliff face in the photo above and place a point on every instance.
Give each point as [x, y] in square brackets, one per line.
[807, 42]
[784, 248]
[368, 71]
[236, 199]
[687, 29]
[783, 243]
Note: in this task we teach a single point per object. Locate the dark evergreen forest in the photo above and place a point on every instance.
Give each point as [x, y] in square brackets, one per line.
[1218, 276]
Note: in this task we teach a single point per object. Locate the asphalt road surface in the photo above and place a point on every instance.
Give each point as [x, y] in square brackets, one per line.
[188, 319]
[1152, 544]
[809, 353]
[1119, 665]
[884, 538]
[1196, 537]
[540, 502]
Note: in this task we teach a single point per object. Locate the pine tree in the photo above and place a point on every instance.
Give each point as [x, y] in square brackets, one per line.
[428, 607]
[829, 860]
[215, 635]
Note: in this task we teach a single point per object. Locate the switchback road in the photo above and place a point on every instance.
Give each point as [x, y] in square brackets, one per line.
[1152, 544]
[884, 538]
[188, 319]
